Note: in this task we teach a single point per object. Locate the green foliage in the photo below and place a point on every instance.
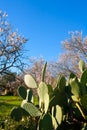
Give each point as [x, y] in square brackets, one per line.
[7, 123]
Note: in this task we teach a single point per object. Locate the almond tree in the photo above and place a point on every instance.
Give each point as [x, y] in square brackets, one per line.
[35, 69]
[11, 46]
[75, 49]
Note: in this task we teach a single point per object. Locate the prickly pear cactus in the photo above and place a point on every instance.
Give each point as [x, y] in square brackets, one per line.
[16, 113]
[22, 91]
[83, 81]
[29, 81]
[61, 83]
[31, 109]
[57, 107]
[57, 113]
[46, 122]
[43, 96]
[29, 95]
[75, 89]
[44, 72]
[81, 65]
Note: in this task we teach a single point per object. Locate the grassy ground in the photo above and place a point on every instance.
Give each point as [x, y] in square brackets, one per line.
[7, 103]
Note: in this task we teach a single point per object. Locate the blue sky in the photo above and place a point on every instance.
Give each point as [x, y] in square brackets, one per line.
[46, 23]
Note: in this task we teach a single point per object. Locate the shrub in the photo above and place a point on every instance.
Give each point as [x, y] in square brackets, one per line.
[9, 124]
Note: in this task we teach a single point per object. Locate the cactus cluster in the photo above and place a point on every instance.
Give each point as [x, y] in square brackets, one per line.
[67, 102]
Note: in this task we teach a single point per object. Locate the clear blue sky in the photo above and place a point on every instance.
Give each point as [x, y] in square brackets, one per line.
[46, 23]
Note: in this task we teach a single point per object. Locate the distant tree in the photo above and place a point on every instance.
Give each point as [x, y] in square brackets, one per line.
[9, 83]
[11, 46]
[6, 82]
[35, 69]
[75, 49]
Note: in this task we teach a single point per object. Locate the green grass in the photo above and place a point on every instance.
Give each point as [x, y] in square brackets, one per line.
[7, 103]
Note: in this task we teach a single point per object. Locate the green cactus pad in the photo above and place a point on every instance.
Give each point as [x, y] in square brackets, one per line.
[75, 87]
[75, 98]
[31, 109]
[22, 92]
[81, 65]
[16, 113]
[44, 72]
[59, 98]
[50, 89]
[57, 113]
[84, 78]
[84, 82]
[29, 95]
[84, 101]
[46, 122]
[43, 96]
[72, 75]
[61, 82]
[42, 90]
[54, 122]
[29, 81]
[46, 102]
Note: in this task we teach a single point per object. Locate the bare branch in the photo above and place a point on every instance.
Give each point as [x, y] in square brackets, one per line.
[11, 45]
